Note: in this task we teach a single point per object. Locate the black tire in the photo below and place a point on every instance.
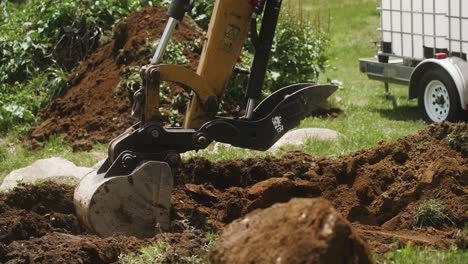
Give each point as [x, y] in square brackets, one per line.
[439, 79]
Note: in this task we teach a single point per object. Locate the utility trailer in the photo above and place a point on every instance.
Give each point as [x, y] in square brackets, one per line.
[424, 45]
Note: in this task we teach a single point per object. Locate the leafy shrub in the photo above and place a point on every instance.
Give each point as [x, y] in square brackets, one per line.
[54, 32]
[299, 51]
[40, 41]
[202, 12]
[299, 54]
[17, 106]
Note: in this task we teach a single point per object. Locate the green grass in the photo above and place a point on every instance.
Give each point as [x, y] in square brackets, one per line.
[431, 213]
[160, 252]
[16, 154]
[368, 117]
[413, 255]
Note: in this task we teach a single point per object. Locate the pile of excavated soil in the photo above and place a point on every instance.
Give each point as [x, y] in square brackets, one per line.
[91, 110]
[378, 190]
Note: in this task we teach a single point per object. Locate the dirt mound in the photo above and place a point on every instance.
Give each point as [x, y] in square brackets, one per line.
[300, 231]
[38, 225]
[378, 190]
[92, 110]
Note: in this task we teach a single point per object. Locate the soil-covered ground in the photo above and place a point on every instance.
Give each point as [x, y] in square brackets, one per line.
[378, 190]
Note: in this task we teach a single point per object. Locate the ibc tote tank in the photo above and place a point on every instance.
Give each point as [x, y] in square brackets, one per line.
[458, 26]
[415, 28]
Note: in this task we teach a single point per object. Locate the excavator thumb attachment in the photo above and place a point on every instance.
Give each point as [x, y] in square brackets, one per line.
[137, 204]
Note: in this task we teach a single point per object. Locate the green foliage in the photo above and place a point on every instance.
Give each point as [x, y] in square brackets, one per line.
[299, 50]
[202, 12]
[40, 41]
[413, 255]
[53, 31]
[175, 54]
[17, 106]
[431, 213]
[19, 103]
[155, 253]
[175, 51]
[3, 153]
[299, 54]
[14, 154]
[459, 141]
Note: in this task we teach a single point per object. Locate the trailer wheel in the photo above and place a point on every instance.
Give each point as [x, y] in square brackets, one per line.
[438, 98]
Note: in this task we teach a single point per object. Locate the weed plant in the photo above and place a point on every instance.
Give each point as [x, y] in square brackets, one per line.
[431, 213]
[459, 141]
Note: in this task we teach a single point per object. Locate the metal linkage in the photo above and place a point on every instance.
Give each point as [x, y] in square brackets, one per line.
[164, 41]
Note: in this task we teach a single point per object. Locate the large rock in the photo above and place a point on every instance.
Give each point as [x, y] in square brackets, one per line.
[300, 136]
[57, 169]
[300, 231]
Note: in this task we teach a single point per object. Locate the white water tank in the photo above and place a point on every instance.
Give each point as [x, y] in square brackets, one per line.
[458, 25]
[419, 28]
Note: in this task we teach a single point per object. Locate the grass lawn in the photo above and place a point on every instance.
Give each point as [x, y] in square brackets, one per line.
[367, 116]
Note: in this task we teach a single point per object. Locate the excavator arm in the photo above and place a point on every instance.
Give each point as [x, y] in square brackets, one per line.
[131, 192]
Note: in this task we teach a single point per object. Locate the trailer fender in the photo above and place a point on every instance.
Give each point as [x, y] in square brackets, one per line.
[454, 66]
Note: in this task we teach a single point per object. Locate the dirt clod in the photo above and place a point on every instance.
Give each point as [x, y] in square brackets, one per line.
[300, 231]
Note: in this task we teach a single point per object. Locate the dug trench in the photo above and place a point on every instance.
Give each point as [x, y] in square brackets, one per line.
[378, 190]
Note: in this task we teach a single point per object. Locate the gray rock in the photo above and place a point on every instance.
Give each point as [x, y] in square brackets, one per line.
[300, 136]
[56, 169]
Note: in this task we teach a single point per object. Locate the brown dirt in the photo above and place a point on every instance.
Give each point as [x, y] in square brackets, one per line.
[91, 111]
[299, 231]
[377, 190]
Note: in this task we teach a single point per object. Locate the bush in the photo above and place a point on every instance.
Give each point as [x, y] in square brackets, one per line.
[202, 12]
[53, 32]
[40, 41]
[299, 51]
[17, 106]
[299, 54]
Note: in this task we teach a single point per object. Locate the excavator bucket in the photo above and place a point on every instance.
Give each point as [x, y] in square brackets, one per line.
[137, 204]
